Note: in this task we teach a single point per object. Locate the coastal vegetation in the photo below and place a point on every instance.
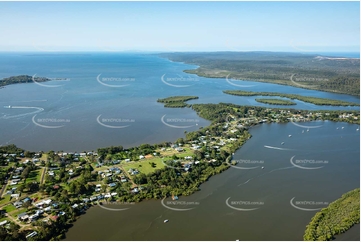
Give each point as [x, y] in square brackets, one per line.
[313, 100]
[340, 75]
[274, 101]
[337, 218]
[176, 101]
[21, 79]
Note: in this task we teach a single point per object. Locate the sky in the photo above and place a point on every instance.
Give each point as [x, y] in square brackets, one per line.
[180, 26]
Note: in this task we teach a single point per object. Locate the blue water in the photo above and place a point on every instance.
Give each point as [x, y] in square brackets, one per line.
[78, 113]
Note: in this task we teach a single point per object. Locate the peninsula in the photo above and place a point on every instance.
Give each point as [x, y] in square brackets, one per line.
[43, 193]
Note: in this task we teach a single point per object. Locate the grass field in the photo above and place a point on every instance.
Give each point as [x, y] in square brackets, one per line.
[143, 166]
[34, 176]
[9, 208]
[5, 199]
[17, 212]
[3, 219]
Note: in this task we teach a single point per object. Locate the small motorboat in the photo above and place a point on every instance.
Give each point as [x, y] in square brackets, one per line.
[282, 143]
[166, 221]
[262, 167]
[289, 135]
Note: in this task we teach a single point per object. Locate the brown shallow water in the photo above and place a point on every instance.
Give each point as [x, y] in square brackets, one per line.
[218, 208]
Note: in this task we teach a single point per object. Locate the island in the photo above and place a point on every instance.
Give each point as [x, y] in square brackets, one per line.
[176, 101]
[337, 218]
[21, 79]
[310, 71]
[275, 101]
[43, 193]
[307, 99]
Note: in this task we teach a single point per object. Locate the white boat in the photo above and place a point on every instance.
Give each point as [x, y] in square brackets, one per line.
[337, 128]
[342, 127]
[282, 143]
[166, 221]
[308, 130]
[262, 167]
[289, 135]
[357, 129]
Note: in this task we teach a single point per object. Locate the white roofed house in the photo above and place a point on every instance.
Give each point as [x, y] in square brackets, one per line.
[3, 222]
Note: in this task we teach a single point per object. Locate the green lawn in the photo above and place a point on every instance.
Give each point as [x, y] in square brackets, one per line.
[17, 212]
[9, 208]
[143, 166]
[34, 176]
[4, 218]
[5, 199]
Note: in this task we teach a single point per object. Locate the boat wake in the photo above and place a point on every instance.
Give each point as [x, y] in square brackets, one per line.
[38, 110]
[245, 182]
[276, 148]
[278, 169]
